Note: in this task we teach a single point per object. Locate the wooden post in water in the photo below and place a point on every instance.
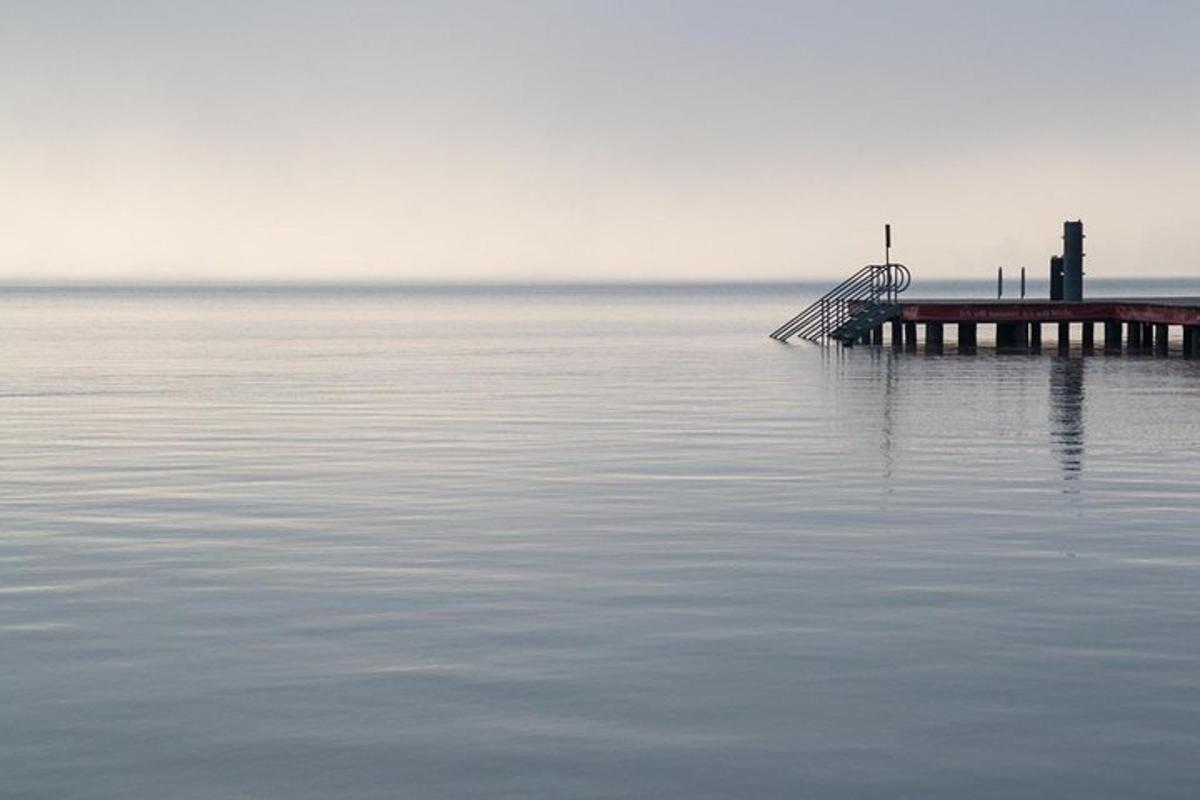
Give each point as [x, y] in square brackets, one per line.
[1161, 339]
[967, 337]
[1064, 336]
[934, 337]
[910, 336]
[1089, 337]
[1112, 336]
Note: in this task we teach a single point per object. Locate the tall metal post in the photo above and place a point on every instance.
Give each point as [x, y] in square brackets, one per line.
[1056, 278]
[1022, 283]
[999, 282]
[1073, 261]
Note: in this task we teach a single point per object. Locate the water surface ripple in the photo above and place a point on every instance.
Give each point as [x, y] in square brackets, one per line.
[581, 543]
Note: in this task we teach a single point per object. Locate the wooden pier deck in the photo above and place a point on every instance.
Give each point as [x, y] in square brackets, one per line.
[1158, 325]
[1152, 310]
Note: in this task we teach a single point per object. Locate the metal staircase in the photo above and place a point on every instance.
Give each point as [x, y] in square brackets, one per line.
[852, 308]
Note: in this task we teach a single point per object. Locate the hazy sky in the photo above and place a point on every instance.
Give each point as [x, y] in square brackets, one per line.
[586, 140]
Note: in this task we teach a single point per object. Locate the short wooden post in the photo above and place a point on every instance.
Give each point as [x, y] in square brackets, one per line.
[1112, 336]
[967, 336]
[1088, 339]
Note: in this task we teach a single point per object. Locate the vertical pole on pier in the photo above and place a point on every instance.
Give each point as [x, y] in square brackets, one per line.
[887, 244]
[897, 333]
[1056, 278]
[910, 336]
[1064, 336]
[968, 337]
[999, 282]
[1112, 336]
[1089, 336]
[1035, 336]
[1161, 341]
[1022, 283]
[1073, 261]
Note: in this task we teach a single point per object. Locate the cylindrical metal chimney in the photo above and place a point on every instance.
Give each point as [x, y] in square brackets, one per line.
[1073, 260]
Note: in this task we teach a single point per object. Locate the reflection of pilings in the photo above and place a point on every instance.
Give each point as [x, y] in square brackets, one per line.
[1066, 414]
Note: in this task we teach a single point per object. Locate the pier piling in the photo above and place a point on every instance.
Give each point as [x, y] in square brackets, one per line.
[968, 337]
[934, 337]
[1134, 336]
[1112, 336]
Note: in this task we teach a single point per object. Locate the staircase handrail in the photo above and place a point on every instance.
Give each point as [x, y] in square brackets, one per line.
[869, 285]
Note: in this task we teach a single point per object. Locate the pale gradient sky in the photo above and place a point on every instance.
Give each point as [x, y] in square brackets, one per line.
[264, 139]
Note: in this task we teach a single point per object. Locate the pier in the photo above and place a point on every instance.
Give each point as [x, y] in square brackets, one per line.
[867, 309]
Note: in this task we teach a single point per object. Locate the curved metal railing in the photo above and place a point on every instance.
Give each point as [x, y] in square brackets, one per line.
[870, 287]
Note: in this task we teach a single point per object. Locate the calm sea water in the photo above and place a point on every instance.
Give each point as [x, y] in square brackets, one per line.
[582, 543]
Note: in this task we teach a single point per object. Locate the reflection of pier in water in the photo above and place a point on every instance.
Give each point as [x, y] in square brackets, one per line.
[1066, 414]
